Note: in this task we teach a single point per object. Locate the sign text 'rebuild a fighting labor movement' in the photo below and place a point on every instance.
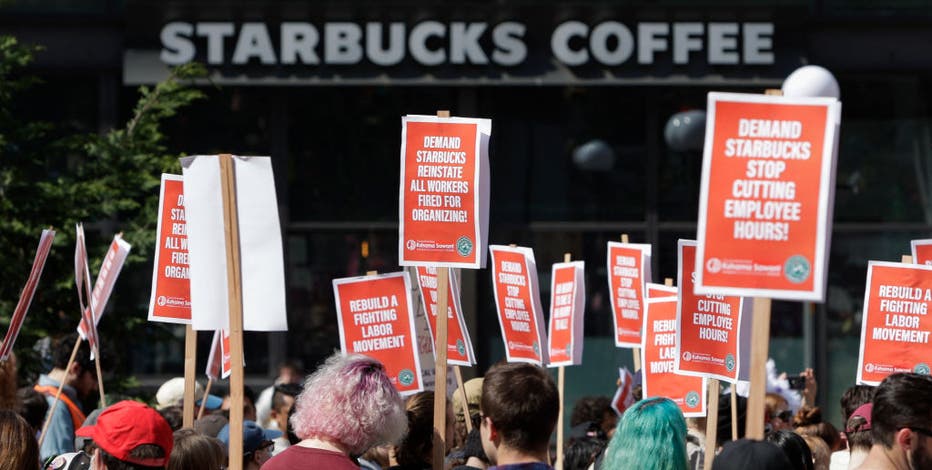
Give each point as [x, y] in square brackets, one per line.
[896, 323]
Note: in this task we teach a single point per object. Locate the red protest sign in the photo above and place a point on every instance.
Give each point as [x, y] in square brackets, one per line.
[29, 290]
[82, 278]
[765, 205]
[219, 364]
[171, 288]
[212, 370]
[658, 359]
[896, 323]
[567, 308]
[517, 299]
[628, 272]
[623, 397]
[657, 291]
[459, 345]
[708, 326]
[376, 319]
[226, 363]
[922, 251]
[106, 278]
[444, 192]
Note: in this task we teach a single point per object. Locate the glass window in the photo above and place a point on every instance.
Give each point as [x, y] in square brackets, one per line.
[884, 171]
[314, 260]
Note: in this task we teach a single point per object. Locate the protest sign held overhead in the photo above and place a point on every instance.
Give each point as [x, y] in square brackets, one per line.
[28, 292]
[624, 397]
[896, 323]
[219, 365]
[708, 326]
[375, 317]
[765, 207]
[260, 244]
[567, 309]
[517, 299]
[87, 327]
[628, 272]
[659, 291]
[658, 359]
[425, 346]
[110, 270]
[170, 301]
[459, 344]
[444, 192]
[922, 251]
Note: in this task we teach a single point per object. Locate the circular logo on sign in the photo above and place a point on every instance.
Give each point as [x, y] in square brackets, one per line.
[464, 246]
[536, 348]
[460, 347]
[569, 350]
[692, 399]
[161, 301]
[921, 368]
[713, 265]
[411, 244]
[406, 377]
[687, 356]
[869, 367]
[796, 269]
[730, 362]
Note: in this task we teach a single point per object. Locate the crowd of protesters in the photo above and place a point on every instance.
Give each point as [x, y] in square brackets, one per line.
[348, 415]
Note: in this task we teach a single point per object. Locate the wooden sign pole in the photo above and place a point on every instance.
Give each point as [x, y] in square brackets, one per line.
[190, 361]
[461, 386]
[711, 423]
[440, 348]
[734, 412]
[440, 385]
[96, 346]
[760, 346]
[100, 376]
[235, 300]
[200, 412]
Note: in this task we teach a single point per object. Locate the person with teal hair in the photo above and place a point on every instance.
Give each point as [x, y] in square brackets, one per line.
[651, 434]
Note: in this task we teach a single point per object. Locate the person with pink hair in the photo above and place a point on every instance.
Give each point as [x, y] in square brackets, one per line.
[348, 406]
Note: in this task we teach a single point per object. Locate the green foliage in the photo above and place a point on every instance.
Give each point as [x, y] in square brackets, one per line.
[110, 182]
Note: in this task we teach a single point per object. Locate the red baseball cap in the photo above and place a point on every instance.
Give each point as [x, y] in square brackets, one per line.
[129, 424]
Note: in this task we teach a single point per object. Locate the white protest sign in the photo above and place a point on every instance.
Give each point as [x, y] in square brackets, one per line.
[260, 250]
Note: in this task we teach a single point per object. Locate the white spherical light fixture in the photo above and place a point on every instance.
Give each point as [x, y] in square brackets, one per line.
[811, 81]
